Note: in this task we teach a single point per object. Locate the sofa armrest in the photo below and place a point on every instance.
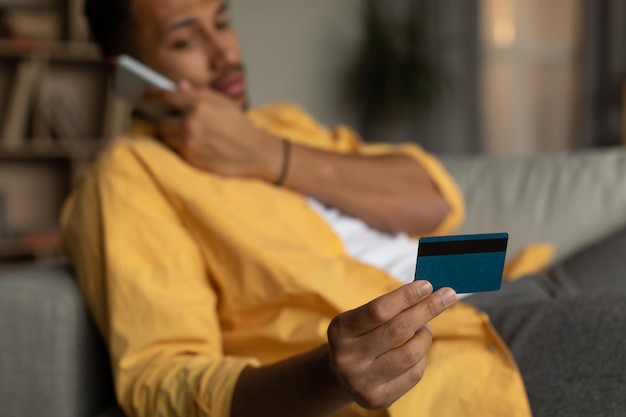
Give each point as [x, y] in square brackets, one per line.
[53, 361]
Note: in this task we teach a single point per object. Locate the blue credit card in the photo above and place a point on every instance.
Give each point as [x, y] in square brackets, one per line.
[466, 263]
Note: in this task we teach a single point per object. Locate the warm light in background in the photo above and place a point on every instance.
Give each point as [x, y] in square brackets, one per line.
[499, 26]
[530, 73]
[503, 33]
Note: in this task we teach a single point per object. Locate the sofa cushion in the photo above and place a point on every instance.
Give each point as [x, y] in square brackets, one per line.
[53, 361]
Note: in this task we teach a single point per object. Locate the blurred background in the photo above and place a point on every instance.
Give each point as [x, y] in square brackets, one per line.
[501, 77]
[506, 76]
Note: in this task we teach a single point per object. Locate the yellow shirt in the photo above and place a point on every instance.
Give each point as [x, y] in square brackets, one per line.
[191, 277]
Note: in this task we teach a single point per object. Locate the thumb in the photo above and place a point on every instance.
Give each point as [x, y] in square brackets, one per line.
[185, 86]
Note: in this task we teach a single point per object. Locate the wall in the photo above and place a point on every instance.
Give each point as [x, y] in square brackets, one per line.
[296, 50]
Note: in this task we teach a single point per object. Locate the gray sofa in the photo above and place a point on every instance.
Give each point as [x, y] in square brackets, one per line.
[54, 363]
[52, 360]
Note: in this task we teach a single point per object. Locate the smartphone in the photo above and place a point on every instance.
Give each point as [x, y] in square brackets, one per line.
[132, 79]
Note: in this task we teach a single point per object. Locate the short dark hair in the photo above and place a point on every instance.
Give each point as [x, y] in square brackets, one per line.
[111, 24]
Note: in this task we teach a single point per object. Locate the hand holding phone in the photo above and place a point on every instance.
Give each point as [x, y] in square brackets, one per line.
[132, 79]
[222, 140]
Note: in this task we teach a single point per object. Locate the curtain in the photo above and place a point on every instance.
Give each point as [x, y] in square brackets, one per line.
[452, 126]
[450, 42]
[604, 55]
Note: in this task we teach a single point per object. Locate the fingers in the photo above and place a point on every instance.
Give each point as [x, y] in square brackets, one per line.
[379, 311]
[192, 109]
[173, 131]
[404, 325]
[182, 100]
[185, 85]
[401, 359]
[379, 350]
[378, 326]
[389, 392]
[185, 99]
[390, 376]
[376, 367]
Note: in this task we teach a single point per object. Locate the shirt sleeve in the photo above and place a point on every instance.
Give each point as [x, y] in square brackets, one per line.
[291, 121]
[346, 140]
[145, 282]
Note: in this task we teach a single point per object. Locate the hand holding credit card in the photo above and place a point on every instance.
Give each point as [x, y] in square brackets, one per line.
[466, 263]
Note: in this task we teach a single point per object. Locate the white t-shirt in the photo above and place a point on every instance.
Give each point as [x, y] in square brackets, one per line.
[394, 254]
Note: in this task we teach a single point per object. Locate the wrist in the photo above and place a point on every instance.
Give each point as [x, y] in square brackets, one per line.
[328, 378]
[268, 158]
[304, 385]
[286, 162]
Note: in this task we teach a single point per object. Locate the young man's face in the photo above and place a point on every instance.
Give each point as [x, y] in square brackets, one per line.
[191, 40]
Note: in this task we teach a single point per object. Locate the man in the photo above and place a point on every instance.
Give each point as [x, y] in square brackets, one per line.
[208, 248]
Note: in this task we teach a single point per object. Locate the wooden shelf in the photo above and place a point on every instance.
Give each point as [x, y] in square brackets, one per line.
[56, 113]
[624, 114]
[40, 245]
[15, 252]
[75, 149]
[11, 252]
[53, 50]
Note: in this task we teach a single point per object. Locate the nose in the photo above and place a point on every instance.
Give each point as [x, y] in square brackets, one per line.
[221, 51]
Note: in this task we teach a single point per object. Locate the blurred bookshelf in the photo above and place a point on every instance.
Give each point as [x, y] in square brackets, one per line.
[624, 113]
[54, 50]
[57, 111]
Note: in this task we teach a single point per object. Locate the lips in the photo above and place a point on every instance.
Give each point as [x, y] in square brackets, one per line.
[233, 85]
